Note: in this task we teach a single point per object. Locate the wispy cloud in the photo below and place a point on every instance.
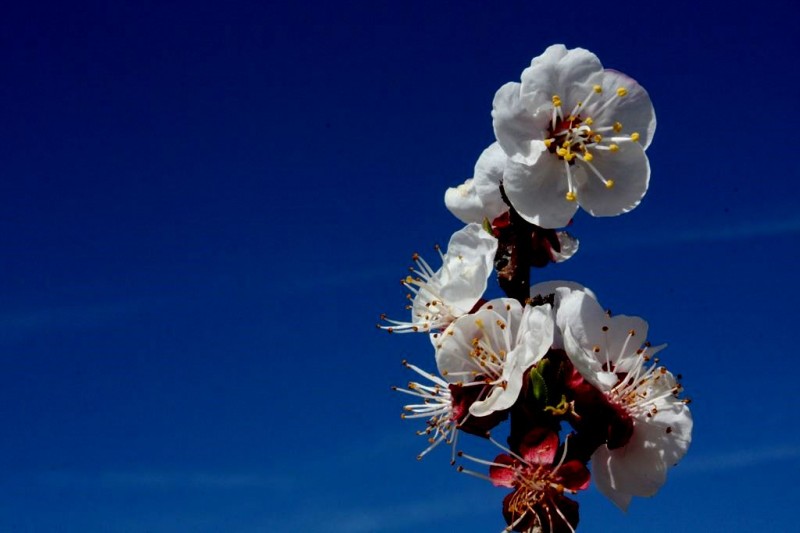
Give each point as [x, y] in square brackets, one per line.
[740, 231]
[713, 233]
[166, 480]
[400, 516]
[738, 459]
[16, 325]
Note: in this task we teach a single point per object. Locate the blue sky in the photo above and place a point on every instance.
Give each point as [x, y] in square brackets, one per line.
[205, 206]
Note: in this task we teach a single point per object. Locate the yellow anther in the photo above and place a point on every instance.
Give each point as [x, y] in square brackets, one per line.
[409, 279]
[548, 142]
[635, 136]
[617, 127]
[588, 121]
[609, 184]
[597, 138]
[565, 144]
[562, 152]
[613, 147]
[479, 323]
[570, 196]
[598, 89]
[556, 100]
[569, 156]
[587, 156]
[622, 91]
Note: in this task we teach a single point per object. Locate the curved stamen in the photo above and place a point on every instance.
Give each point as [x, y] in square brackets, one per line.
[437, 406]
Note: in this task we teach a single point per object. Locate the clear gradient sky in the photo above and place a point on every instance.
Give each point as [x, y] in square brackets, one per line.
[204, 207]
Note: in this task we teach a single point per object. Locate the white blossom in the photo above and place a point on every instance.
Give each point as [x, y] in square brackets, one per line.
[612, 354]
[492, 348]
[575, 134]
[479, 198]
[439, 297]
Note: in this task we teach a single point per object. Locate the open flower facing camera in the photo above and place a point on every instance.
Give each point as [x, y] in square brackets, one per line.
[573, 134]
[580, 393]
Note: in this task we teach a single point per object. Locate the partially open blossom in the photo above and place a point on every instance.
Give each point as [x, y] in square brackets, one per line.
[540, 478]
[439, 297]
[479, 197]
[567, 247]
[436, 404]
[492, 348]
[575, 134]
[612, 354]
[446, 407]
[480, 200]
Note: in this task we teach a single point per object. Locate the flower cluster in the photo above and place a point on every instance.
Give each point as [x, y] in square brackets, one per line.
[581, 393]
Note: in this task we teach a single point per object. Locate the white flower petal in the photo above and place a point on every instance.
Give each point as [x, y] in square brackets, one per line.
[568, 244]
[624, 337]
[586, 363]
[488, 175]
[479, 198]
[630, 171]
[535, 336]
[500, 398]
[518, 132]
[634, 111]
[558, 71]
[582, 315]
[474, 243]
[533, 339]
[560, 288]
[456, 343]
[674, 414]
[603, 478]
[468, 263]
[613, 342]
[538, 191]
[463, 201]
[638, 468]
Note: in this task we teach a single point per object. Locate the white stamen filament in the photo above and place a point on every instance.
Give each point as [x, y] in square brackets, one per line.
[596, 172]
[483, 461]
[474, 474]
[564, 518]
[437, 407]
[506, 450]
[607, 103]
[570, 187]
[424, 287]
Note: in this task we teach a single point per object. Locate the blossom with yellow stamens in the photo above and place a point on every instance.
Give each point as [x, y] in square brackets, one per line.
[492, 348]
[575, 134]
[440, 296]
[611, 353]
